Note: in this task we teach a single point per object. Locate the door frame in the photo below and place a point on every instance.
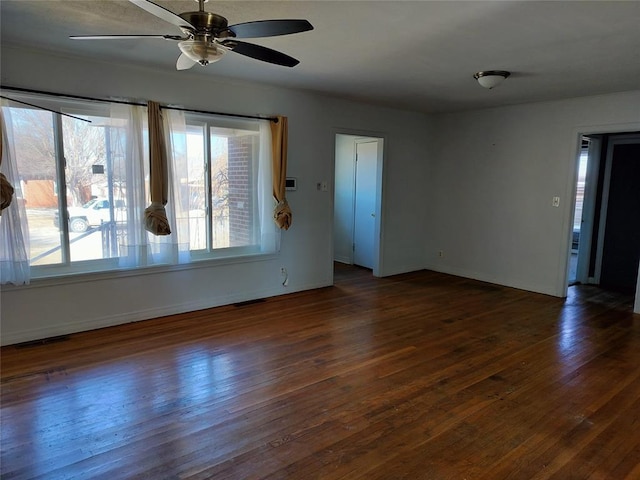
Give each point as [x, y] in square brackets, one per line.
[378, 258]
[572, 183]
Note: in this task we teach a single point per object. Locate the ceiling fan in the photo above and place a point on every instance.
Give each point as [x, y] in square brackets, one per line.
[206, 36]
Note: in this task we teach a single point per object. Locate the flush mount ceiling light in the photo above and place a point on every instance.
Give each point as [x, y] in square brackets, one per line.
[491, 78]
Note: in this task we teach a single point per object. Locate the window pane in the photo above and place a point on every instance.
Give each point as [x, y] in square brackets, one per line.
[219, 191]
[35, 158]
[94, 191]
[234, 154]
[193, 181]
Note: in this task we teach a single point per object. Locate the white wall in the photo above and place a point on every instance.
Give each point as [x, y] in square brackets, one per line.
[492, 179]
[476, 185]
[48, 308]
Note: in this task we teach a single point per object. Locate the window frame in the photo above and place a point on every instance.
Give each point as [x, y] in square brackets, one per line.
[110, 267]
[208, 124]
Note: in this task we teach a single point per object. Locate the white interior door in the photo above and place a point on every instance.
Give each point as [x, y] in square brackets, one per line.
[365, 203]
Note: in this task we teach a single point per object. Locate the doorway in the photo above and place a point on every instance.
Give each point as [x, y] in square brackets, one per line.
[618, 262]
[606, 229]
[357, 200]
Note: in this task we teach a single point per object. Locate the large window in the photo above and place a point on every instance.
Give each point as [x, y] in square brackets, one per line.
[85, 186]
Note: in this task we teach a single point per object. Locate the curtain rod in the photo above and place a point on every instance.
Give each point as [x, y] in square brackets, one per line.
[42, 108]
[124, 102]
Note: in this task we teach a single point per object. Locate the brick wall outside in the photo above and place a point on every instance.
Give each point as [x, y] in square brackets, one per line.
[241, 197]
[39, 194]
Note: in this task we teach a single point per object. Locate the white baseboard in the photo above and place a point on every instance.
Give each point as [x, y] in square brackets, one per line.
[340, 259]
[483, 277]
[20, 336]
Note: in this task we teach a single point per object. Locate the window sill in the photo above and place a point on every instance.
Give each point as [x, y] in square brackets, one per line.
[83, 277]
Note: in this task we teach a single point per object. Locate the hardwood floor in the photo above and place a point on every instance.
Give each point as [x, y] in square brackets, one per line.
[417, 376]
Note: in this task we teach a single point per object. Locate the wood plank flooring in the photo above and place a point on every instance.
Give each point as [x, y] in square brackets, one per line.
[416, 376]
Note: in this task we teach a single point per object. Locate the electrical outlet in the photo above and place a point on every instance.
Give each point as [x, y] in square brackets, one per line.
[440, 254]
[283, 271]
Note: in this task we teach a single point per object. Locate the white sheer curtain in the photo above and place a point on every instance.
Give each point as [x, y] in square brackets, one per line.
[174, 248]
[269, 231]
[14, 231]
[132, 124]
[140, 247]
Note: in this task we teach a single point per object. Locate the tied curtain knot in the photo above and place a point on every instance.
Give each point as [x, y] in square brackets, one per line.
[6, 193]
[155, 219]
[6, 189]
[282, 214]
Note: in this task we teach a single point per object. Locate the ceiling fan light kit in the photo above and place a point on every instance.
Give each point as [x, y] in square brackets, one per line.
[491, 78]
[208, 36]
[200, 51]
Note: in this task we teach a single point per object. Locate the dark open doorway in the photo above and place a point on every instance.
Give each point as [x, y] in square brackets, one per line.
[605, 246]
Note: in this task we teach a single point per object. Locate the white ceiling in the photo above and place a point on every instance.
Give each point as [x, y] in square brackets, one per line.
[417, 55]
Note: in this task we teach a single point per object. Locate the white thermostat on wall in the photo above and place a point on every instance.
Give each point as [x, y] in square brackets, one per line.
[291, 183]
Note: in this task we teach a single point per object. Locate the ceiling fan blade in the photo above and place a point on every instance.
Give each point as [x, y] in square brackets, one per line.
[123, 37]
[269, 28]
[261, 53]
[163, 13]
[184, 62]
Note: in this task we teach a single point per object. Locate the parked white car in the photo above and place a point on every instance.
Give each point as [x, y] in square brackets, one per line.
[93, 213]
